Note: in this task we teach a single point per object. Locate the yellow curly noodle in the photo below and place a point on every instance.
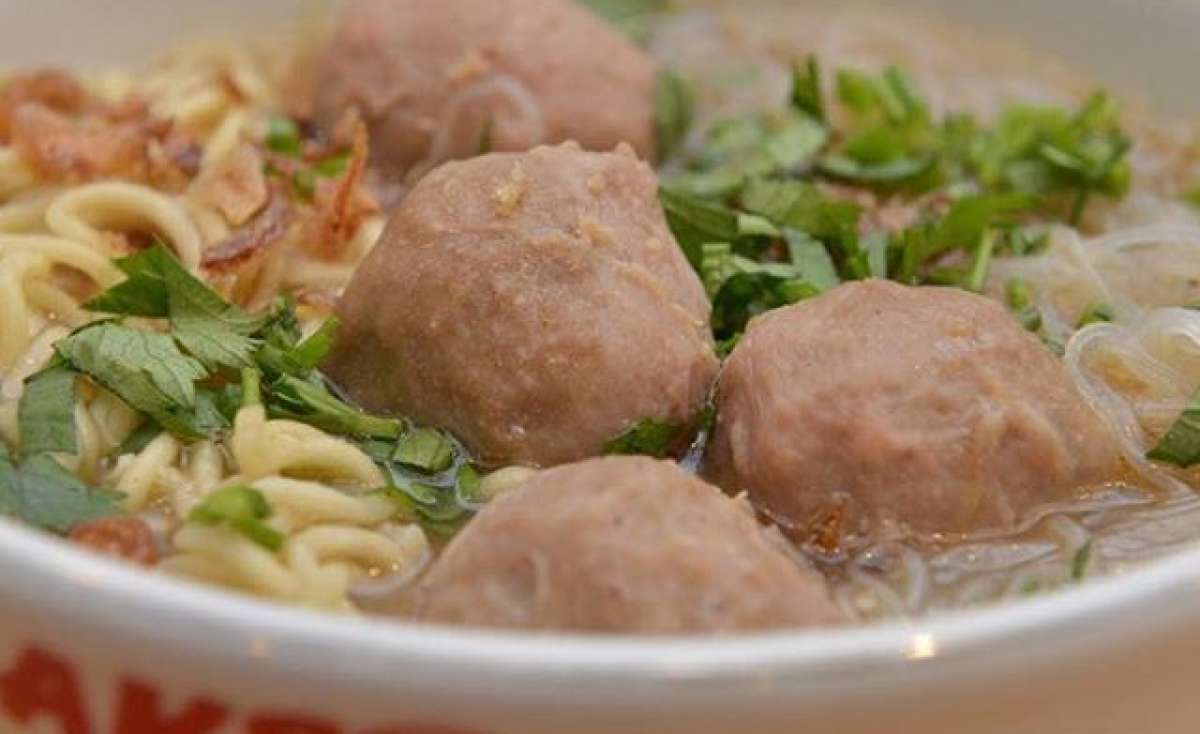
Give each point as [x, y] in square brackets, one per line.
[336, 534]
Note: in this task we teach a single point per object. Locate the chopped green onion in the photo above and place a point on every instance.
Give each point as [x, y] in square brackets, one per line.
[426, 450]
[1192, 196]
[1018, 294]
[1181, 443]
[649, 437]
[468, 485]
[807, 95]
[283, 136]
[412, 494]
[981, 262]
[1056, 347]
[335, 165]
[486, 134]
[1097, 313]
[304, 182]
[242, 509]
[1081, 561]
[1030, 317]
[726, 346]
[251, 387]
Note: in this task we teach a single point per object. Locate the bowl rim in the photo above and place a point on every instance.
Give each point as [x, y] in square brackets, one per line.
[43, 572]
[80, 584]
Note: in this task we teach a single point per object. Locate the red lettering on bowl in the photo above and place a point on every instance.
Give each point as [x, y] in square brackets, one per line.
[140, 712]
[419, 729]
[43, 686]
[276, 724]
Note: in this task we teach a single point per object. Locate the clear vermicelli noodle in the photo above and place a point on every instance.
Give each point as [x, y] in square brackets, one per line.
[515, 96]
[1139, 255]
[176, 241]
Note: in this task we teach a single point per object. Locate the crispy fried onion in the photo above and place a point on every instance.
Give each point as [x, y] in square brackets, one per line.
[341, 204]
[254, 240]
[52, 88]
[65, 136]
[237, 186]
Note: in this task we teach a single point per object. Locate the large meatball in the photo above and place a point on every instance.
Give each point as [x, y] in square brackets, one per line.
[534, 304]
[620, 544]
[891, 410]
[441, 79]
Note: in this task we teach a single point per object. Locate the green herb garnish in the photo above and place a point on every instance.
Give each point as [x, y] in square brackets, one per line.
[43, 494]
[695, 222]
[185, 378]
[211, 329]
[976, 191]
[47, 412]
[145, 369]
[301, 400]
[963, 228]
[784, 142]
[811, 260]
[742, 288]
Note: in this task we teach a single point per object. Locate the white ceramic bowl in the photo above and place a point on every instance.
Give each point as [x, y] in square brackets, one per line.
[89, 647]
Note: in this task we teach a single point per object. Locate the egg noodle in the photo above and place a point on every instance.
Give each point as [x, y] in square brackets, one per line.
[315, 483]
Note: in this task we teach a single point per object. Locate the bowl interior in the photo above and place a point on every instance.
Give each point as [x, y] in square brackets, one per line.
[1145, 45]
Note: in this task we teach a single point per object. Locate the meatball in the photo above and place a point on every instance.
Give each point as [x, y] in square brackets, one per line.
[534, 304]
[884, 410]
[451, 78]
[625, 544]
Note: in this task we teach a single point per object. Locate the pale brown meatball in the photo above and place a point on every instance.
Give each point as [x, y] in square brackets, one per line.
[624, 544]
[886, 410]
[534, 304]
[443, 79]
